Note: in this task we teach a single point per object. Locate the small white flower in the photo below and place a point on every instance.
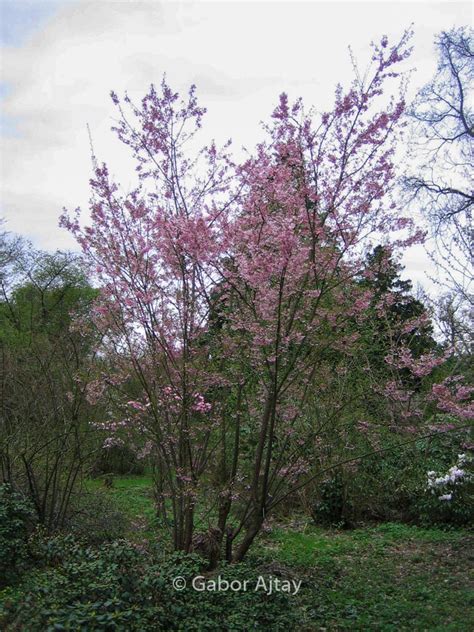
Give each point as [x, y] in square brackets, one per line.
[445, 497]
[455, 473]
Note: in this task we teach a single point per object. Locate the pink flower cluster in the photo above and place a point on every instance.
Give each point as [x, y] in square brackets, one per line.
[200, 405]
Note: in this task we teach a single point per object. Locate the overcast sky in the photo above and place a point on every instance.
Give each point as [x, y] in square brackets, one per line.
[59, 61]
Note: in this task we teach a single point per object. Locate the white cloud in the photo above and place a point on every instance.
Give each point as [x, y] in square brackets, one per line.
[240, 55]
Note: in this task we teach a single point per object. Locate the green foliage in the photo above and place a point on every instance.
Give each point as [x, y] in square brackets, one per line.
[96, 517]
[458, 512]
[393, 486]
[40, 308]
[386, 577]
[118, 459]
[433, 508]
[16, 518]
[386, 282]
[125, 587]
[332, 508]
[45, 362]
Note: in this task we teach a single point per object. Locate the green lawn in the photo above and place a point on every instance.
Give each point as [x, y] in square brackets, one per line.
[390, 577]
[134, 496]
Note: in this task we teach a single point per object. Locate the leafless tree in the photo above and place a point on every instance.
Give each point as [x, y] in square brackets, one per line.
[440, 180]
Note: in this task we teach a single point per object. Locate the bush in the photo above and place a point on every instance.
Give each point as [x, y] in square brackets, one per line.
[332, 508]
[118, 459]
[449, 494]
[394, 487]
[126, 587]
[16, 519]
[94, 517]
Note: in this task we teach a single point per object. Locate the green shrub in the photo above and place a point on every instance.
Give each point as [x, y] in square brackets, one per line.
[393, 487]
[16, 519]
[118, 459]
[125, 587]
[95, 517]
[332, 508]
[448, 496]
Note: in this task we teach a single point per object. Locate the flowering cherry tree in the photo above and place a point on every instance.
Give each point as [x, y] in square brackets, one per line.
[224, 288]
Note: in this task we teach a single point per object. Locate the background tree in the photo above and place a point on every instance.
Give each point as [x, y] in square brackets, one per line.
[44, 416]
[13, 257]
[440, 180]
[454, 322]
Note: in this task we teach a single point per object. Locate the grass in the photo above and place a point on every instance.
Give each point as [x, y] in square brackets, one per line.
[133, 496]
[389, 577]
[313, 545]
